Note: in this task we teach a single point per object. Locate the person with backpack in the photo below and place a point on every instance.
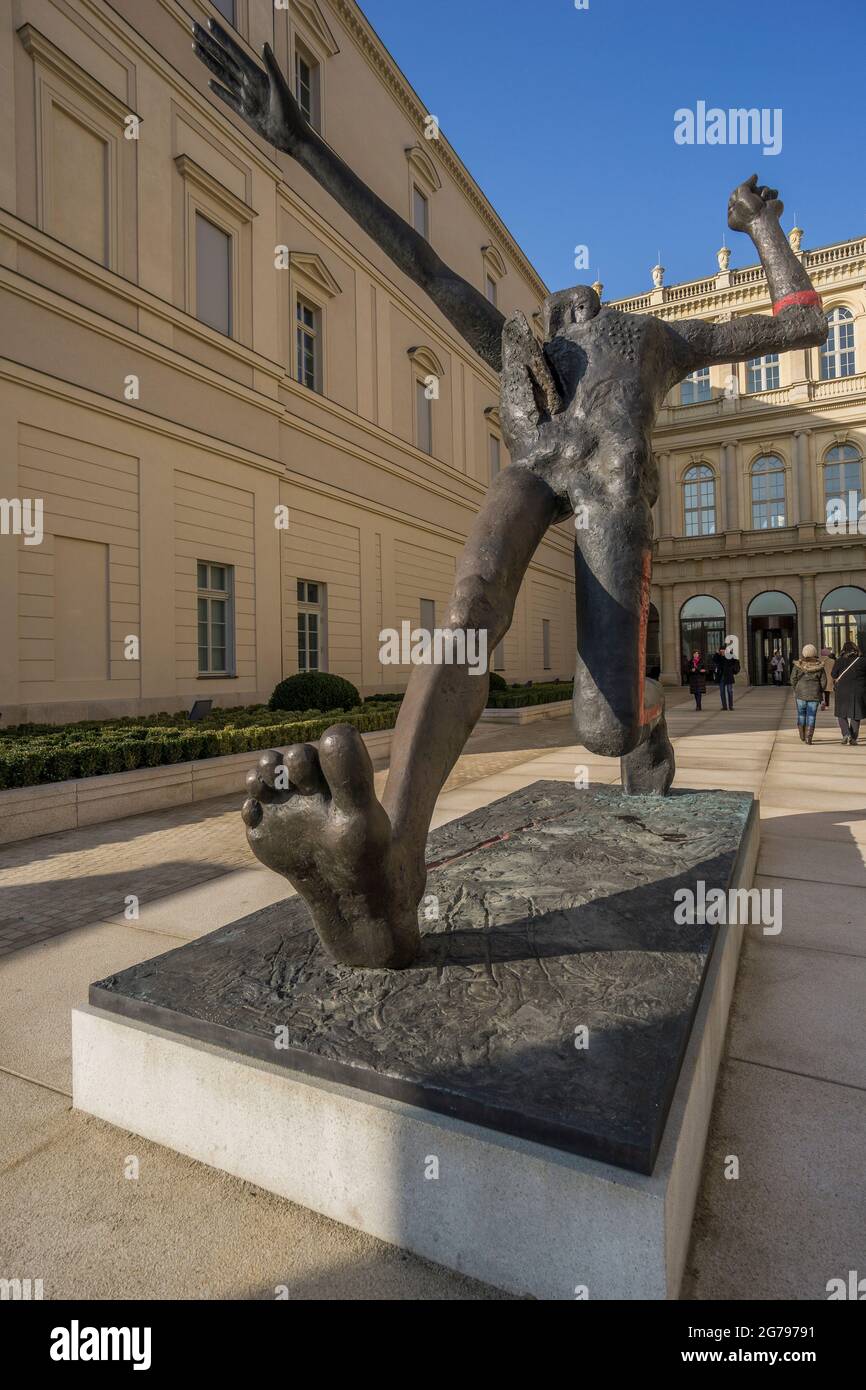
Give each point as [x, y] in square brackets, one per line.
[725, 668]
[849, 690]
[809, 680]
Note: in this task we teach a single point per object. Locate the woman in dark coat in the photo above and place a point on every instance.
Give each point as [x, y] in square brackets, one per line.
[697, 674]
[849, 691]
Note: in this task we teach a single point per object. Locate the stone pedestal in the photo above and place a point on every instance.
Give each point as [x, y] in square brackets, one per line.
[528, 1104]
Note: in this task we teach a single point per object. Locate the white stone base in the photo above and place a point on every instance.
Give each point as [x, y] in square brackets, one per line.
[525, 1218]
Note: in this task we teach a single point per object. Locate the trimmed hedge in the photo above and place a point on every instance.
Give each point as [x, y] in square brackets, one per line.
[512, 698]
[32, 759]
[317, 689]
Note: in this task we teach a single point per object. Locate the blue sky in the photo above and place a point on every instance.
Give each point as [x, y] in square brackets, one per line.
[566, 120]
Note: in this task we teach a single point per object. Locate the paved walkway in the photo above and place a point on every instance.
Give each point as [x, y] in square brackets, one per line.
[791, 1103]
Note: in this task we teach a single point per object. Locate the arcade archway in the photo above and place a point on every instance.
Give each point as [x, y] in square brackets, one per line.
[702, 629]
[843, 618]
[772, 624]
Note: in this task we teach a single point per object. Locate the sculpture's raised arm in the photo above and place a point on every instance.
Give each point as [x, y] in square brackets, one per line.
[265, 101]
[798, 317]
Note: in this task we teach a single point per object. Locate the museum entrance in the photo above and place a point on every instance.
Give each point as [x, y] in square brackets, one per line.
[843, 619]
[702, 629]
[772, 633]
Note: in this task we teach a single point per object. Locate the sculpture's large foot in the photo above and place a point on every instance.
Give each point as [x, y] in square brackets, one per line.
[650, 768]
[313, 816]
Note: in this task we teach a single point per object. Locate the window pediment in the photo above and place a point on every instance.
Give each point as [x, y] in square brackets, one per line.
[425, 359]
[311, 16]
[310, 267]
[494, 261]
[424, 167]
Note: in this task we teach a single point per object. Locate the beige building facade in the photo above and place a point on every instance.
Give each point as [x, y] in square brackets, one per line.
[753, 460]
[252, 444]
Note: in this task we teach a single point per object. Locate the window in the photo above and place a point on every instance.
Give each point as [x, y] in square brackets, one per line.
[215, 604]
[837, 354]
[420, 212]
[842, 477]
[762, 373]
[428, 615]
[309, 344]
[226, 9]
[545, 642]
[213, 275]
[308, 85]
[499, 657]
[696, 387]
[490, 288]
[699, 501]
[423, 418]
[494, 449]
[768, 493]
[311, 626]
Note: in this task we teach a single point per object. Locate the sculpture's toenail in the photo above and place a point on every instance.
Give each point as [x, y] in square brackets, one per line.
[252, 813]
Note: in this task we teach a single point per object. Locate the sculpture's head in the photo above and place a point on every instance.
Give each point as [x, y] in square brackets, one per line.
[577, 305]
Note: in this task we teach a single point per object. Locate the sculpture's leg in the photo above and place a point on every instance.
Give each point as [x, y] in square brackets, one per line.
[443, 703]
[613, 565]
[314, 816]
[649, 769]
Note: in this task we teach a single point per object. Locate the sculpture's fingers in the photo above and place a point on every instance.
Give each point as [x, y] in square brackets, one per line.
[220, 54]
[249, 66]
[302, 765]
[252, 812]
[230, 80]
[347, 768]
[229, 99]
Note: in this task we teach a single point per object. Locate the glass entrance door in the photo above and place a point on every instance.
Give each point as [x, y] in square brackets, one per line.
[771, 636]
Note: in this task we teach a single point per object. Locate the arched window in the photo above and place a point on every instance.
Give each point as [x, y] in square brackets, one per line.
[843, 618]
[837, 354]
[768, 493]
[696, 387]
[762, 373]
[843, 481]
[699, 501]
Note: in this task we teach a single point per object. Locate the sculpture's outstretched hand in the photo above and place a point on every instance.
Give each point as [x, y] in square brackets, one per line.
[262, 98]
[751, 202]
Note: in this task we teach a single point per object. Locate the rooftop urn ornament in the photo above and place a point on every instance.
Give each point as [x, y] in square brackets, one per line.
[598, 287]
[658, 274]
[795, 237]
[724, 256]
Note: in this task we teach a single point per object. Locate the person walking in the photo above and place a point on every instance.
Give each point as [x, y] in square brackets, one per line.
[697, 673]
[849, 690]
[777, 667]
[829, 659]
[725, 668]
[808, 679]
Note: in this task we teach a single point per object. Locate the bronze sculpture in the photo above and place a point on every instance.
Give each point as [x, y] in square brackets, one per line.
[577, 414]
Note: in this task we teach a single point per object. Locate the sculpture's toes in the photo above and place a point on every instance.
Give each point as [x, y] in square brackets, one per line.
[265, 783]
[347, 768]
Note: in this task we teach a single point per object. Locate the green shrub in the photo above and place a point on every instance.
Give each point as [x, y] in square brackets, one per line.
[314, 689]
[512, 698]
[497, 682]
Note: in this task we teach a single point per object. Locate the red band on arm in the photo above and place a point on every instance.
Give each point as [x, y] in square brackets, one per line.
[808, 298]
